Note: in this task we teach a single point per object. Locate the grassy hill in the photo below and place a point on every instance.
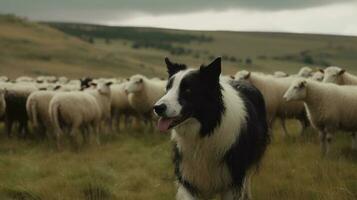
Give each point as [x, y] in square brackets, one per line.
[82, 49]
[252, 50]
[29, 48]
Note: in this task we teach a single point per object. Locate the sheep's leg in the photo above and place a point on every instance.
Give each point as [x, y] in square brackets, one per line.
[96, 131]
[126, 120]
[285, 131]
[72, 136]
[84, 131]
[325, 139]
[304, 124]
[354, 140]
[8, 125]
[23, 130]
[117, 121]
[323, 142]
[41, 129]
[26, 129]
[58, 135]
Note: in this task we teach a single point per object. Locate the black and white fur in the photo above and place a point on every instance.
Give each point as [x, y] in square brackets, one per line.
[222, 134]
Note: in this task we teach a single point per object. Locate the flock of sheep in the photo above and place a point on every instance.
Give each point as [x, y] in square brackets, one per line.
[57, 106]
[325, 99]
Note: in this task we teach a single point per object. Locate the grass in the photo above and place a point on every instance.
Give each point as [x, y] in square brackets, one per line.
[34, 49]
[136, 164]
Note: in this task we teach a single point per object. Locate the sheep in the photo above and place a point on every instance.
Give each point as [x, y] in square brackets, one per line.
[305, 72]
[339, 76]
[46, 79]
[62, 80]
[273, 89]
[120, 104]
[37, 107]
[15, 98]
[143, 93]
[78, 110]
[326, 108]
[4, 79]
[280, 74]
[67, 87]
[24, 79]
[318, 75]
[102, 93]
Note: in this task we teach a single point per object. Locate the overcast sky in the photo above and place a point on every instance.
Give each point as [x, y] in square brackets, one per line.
[302, 16]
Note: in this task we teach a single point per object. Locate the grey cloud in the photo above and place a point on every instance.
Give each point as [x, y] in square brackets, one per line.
[102, 10]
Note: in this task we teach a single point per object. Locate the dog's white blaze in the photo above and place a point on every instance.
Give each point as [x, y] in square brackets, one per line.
[183, 194]
[171, 97]
[202, 157]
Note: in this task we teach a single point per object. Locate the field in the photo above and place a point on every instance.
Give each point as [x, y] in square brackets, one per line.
[135, 164]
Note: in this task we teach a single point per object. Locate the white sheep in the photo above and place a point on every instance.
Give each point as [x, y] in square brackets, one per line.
[120, 106]
[4, 79]
[102, 93]
[305, 72]
[24, 79]
[318, 75]
[37, 107]
[326, 107]
[280, 74]
[79, 110]
[339, 76]
[62, 80]
[273, 90]
[143, 94]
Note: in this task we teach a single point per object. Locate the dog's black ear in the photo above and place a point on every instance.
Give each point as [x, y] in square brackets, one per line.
[212, 71]
[173, 68]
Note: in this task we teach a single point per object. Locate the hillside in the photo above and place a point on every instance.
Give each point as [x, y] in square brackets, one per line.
[81, 49]
[33, 49]
[253, 50]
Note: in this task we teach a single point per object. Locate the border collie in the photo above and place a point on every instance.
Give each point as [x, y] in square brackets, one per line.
[219, 131]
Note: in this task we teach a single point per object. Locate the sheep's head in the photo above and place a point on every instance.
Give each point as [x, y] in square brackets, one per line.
[305, 72]
[135, 84]
[296, 91]
[242, 75]
[333, 75]
[104, 88]
[318, 75]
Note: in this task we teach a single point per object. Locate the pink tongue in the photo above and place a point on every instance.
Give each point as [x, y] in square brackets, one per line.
[164, 124]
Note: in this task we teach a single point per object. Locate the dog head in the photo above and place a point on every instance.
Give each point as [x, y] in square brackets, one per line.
[191, 93]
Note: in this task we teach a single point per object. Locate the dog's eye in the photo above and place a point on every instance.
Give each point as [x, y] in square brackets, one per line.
[187, 91]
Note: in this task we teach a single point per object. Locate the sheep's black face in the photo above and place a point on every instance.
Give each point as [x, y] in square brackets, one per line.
[191, 94]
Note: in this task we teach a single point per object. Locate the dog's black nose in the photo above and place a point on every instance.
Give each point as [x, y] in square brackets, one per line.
[160, 109]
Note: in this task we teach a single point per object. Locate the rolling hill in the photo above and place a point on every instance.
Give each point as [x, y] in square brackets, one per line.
[75, 50]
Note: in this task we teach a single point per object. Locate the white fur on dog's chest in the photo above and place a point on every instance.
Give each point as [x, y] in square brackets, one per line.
[205, 171]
